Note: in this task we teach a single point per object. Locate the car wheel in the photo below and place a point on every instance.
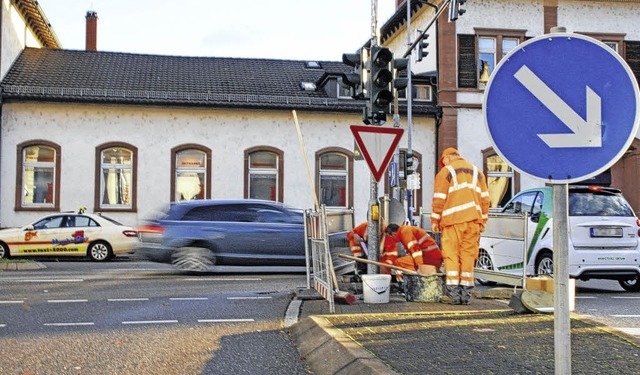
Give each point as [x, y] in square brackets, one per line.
[196, 259]
[631, 285]
[4, 251]
[99, 251]
[544, 265]
[484, 262]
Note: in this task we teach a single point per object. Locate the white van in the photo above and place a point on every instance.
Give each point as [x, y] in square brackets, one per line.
[603, 238]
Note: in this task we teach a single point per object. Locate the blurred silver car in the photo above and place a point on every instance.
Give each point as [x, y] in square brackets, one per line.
[196, 235]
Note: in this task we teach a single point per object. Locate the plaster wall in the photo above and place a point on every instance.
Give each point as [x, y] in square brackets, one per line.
[79, 129]
[15, 36]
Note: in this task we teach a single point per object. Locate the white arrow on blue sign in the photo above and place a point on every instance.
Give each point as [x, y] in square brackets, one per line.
[562, 107]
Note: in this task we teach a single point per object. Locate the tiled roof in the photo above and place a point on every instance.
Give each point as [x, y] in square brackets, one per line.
[112, 77]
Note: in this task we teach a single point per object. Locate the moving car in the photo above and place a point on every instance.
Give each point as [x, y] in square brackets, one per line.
[603, 237]
[69, 234]
[196, 235]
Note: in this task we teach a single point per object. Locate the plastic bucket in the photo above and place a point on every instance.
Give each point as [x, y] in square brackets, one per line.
[376, 288]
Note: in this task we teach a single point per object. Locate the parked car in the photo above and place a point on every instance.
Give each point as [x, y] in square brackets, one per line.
[69, 234]
[196, 235]
[603, 237]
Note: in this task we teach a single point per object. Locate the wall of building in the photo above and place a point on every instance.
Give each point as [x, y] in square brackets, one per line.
[15, 36]
[78, 129]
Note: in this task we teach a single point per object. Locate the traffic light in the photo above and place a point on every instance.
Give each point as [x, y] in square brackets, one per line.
[355, 80]
[422, 46]
[454, 9]
[409, 168]
[399, 65]
[380, 87]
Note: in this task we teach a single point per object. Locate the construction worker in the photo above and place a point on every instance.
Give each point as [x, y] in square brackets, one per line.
[460, 211]
[421, 248]
[358, 236]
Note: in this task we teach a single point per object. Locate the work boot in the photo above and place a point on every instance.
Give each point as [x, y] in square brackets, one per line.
[451, 296]
[465, 294]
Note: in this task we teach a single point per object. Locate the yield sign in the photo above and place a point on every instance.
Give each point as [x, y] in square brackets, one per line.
[377, 145]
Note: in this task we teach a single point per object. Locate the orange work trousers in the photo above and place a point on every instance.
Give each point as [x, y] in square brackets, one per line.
[460, 248]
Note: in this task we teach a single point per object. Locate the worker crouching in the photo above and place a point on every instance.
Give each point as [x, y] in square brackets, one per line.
[421, 248]
[358, 243]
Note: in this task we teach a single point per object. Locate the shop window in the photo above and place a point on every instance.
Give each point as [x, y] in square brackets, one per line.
[479, 54]
[190, 173]
[263, 173]
[38, 176]
[502, 182]
[334, 178]
[117, 177]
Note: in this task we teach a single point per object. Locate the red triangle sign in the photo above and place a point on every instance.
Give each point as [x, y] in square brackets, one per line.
[377, 145]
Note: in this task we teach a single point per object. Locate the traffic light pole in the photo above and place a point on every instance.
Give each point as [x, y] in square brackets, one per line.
[409, 91]
[373, 224]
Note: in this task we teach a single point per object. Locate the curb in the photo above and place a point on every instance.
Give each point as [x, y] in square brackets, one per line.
[347, 357]
[21, 266]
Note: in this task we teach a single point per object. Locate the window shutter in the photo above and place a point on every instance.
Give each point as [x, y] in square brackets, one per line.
[467, 67]
[632, 52]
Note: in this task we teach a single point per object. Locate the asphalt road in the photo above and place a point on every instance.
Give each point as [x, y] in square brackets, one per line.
[137, 318]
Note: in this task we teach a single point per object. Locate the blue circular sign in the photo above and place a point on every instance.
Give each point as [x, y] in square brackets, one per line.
[562, 107]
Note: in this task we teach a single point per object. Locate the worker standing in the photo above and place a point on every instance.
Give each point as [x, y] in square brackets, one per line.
[358, 236]
[460, 211]
[421, 248]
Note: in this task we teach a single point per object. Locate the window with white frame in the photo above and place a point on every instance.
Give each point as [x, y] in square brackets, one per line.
[500, 180]
[491, 49]
[422, 93]
[264, 175]
[334, 172]
[190, 175]
[38, 174]
[116, 177]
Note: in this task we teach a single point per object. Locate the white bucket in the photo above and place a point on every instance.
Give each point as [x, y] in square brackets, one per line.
[376, 288]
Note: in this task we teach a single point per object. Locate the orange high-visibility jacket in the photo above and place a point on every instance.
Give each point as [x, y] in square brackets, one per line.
[417, 241]
[460, 195]
[389, 253]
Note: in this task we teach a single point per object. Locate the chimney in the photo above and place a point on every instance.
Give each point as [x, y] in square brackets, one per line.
[92, 31]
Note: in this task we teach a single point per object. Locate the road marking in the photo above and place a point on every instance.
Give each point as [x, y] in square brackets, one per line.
[626, 316]
[188, 299]
[67, 300]
[249, 297]
[42, 280]
[10, 302]
[218, 279]
[629, 330]
[2, 325]
[150, 322]
[225, 320]
[126, 299]
[586, 297]
[69, 324]
[630, 297]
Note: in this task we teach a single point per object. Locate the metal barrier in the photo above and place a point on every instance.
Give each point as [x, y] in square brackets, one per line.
[318, 227]
[502, 231]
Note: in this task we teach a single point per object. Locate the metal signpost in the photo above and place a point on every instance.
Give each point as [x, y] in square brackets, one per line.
[563, 108]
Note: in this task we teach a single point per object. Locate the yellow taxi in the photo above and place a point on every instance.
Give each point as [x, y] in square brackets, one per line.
[69, 234]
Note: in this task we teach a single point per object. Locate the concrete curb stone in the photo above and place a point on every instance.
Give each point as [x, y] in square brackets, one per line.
[21, 266]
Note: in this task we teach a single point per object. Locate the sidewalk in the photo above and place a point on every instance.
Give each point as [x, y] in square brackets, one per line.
[485, 337]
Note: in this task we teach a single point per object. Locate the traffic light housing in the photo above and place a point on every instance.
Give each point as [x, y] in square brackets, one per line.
[455, 10]
[355, 80]
[399, 83]
[380, 85]
[422, 46]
